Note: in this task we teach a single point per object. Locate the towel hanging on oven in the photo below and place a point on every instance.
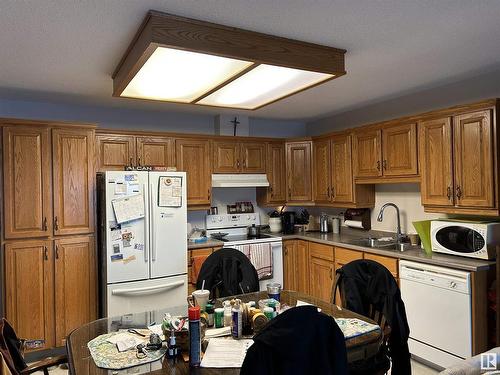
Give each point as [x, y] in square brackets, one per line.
[261, 257]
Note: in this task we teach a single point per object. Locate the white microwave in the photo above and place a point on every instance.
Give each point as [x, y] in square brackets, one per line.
[467, 239]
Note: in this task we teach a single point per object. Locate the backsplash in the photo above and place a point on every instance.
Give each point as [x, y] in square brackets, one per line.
[221, 197]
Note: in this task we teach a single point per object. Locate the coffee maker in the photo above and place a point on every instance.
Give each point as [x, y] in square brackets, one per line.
[288, 222]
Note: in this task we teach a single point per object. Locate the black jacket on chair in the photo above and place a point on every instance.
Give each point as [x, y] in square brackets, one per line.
[299, 341]
[364, 283]
[228, 272]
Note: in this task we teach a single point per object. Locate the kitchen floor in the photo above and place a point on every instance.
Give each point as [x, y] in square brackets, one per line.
[416, 367]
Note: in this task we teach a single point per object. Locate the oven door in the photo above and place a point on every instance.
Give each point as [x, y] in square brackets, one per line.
[454, 238]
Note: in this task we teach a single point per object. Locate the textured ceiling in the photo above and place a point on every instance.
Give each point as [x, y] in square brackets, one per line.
[67, 49]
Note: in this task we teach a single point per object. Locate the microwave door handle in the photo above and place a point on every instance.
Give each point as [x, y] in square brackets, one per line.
[151, 207]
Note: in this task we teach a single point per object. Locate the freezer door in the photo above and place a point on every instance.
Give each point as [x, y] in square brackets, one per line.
[147, 295]
[168, 236]
[127, 244]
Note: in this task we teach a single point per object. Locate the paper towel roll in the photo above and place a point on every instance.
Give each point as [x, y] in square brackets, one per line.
[354, 224]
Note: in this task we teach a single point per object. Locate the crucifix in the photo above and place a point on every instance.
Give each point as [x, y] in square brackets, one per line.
[235, 123]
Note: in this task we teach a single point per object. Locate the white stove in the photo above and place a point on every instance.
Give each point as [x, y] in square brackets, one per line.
[232, 230]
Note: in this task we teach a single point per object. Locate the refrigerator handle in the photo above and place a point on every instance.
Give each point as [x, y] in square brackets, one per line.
[152, 226]
[146, 229]
[146, 289]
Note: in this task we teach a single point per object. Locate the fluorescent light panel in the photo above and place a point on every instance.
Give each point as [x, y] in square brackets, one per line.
[262, 85]
[181, 76]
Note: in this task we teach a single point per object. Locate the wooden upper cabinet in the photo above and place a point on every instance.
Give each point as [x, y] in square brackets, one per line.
[322, 171]
[299, 171]
[73, 180]
[193, 157]
[253, 157]
[29, 288]
[367, 153]
[154, 151]
[341, 169]
[276, 172]
[226, 157]
[115, 152]
[75, 284]
[26, 173]
[436, 162]
[399, 150]
[473, 140]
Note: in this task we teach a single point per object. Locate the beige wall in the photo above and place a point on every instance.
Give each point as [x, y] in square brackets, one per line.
[407, 198]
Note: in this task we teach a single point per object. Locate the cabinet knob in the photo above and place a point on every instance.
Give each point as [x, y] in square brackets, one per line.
[131, 162]
[56, 223]
[238, 163]
[328, 191]
[139, 161]
[333, 192]
[378, 165]
[45, 224]
[459, 192]
[45, 253]
[57, 252]
[384, 164]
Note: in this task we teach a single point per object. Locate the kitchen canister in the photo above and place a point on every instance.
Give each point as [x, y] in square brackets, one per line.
[275, 224]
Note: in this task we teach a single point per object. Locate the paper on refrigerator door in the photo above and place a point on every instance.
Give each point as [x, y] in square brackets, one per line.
[170, 191]
[128, 208]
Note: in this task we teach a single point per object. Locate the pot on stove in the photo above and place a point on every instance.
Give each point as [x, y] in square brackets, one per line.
[253, 231]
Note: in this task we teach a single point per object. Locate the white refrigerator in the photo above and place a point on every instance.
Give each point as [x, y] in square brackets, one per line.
[142, 241]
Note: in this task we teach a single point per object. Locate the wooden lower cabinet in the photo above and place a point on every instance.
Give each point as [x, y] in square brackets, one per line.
[200, 252]
[321, 270]
[29, 286]
[390, 263]
[296, 265]
[75, 284]
[50, 287]
[342, 257]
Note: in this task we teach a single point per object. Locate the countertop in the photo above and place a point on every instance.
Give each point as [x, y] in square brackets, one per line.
[414, 253]
[347, 235]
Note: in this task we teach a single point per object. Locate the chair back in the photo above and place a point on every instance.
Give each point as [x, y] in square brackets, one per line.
[228, 272]
[11, 348]
[300, 340]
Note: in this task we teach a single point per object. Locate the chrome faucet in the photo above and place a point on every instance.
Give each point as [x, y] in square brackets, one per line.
[380, 217]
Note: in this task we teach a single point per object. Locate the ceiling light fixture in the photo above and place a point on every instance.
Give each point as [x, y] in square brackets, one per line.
[183, 60]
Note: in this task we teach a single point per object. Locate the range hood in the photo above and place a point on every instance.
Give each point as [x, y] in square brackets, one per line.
[239, 180]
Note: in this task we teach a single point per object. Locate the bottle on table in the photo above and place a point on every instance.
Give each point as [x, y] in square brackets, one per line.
[194, 336]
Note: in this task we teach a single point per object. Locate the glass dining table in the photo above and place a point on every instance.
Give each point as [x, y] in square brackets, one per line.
[80, 360]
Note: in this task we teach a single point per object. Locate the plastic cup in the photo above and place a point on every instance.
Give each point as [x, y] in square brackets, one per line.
[201, 298]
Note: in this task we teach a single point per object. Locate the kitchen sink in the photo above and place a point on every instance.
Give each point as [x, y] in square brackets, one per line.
[379, 243]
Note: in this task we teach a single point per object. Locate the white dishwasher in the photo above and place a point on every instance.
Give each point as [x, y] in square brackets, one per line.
[438, 308]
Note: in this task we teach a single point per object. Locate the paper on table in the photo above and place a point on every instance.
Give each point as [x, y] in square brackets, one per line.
[217, 332]
[125, 341]
[225, 353]
[128, 208]
[304, 303]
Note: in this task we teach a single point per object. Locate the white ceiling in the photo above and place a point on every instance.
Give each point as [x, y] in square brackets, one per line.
[67, 49]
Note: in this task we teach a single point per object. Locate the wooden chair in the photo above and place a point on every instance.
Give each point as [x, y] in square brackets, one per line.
[373, 314]
[12, 353]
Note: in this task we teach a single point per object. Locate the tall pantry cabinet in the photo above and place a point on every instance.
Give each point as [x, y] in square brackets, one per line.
[48, 220]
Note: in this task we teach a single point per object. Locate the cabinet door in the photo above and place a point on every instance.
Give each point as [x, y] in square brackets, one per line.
[226, 157]
[29, 289]
[321, 281]
[367, 153]
[276, 172]
[289, 267]
[322, 169]
[253, 157]
[302, 266]
[473, 138]
[26, 174]
[299, 171]
[115, 152]
[399, 150]
[341, 167]
[193, 157]
[73, 176]
[342, 257]
[436, 168]
[75, 284]
[154, 151]
[390, 263]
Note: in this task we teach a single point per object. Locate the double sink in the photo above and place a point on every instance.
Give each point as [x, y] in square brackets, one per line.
[379, 243]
